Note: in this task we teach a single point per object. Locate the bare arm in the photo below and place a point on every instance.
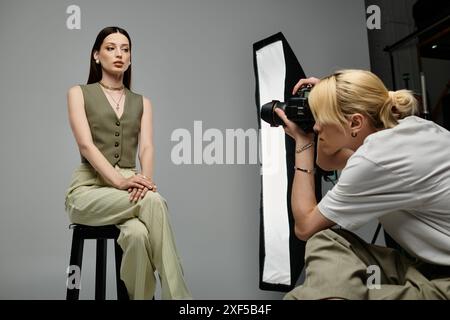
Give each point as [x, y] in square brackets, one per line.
[307, 216]
[145, 152]
[80, 128]
[146, 140]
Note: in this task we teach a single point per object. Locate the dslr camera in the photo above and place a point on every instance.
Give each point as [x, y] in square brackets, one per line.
[296, 109]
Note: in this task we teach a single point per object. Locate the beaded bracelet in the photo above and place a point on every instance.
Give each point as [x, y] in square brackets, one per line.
[305, 147]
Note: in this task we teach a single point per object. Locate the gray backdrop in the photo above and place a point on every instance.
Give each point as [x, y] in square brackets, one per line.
[193, 59]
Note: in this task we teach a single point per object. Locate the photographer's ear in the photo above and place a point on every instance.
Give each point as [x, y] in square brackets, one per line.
[356, 122]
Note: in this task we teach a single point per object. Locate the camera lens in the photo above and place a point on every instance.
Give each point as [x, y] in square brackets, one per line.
[269, 115]
[296, 109]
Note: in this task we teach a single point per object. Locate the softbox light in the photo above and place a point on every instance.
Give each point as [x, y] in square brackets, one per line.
[281, 256]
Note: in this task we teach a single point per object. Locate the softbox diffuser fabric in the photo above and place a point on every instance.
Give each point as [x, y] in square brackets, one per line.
[277, 70]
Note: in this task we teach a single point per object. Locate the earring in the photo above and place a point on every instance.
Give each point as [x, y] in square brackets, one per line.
[97, 61]
[354, 134]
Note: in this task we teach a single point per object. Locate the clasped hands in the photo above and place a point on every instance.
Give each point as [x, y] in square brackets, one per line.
[138, 186]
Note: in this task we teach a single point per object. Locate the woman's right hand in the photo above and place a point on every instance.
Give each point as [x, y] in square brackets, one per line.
[135, 181]
[312, 81]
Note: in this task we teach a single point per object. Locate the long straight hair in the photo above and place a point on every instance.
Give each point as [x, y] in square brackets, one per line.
[95, 72]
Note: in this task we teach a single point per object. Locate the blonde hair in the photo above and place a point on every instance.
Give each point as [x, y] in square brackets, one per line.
[347, 92]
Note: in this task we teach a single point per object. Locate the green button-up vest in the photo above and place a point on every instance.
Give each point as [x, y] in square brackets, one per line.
[117, 139]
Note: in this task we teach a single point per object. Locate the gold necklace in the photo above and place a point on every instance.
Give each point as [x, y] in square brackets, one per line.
[116, 102]
[111, 88]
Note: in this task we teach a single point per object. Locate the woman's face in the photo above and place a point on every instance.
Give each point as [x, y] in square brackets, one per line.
[114, 54]
[331, 137]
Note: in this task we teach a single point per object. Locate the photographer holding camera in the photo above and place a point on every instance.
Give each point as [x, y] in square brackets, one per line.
[395, 168]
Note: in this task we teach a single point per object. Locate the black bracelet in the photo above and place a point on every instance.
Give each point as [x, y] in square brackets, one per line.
[306, 170]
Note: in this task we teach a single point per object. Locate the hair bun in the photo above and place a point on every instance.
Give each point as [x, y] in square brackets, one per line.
[391, 97]
[399, 104]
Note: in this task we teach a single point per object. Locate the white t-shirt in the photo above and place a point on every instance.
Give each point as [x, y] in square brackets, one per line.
[402, 177]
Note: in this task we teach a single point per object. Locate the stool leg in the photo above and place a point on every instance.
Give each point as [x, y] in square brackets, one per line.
[100, 270]
[122, 293]
[76, 259]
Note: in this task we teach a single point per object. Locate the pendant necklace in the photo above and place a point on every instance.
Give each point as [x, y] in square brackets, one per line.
[115, 89]
[116, 102]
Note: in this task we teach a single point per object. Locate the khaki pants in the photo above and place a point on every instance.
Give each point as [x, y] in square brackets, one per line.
[145, 236]
[336, 267]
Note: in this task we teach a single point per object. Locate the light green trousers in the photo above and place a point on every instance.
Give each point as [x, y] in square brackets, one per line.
[337, 264]
[146, 236]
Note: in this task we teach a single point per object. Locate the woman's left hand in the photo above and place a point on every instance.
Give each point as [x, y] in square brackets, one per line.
[293, 130]
[137, 194]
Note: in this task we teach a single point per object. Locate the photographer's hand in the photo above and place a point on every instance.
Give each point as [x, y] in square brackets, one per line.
[293, 130]
[312, 81]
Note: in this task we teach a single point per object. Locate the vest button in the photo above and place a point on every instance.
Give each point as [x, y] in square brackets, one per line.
[118, 123]
[116, 156]
[116, 144]
[117, 134]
